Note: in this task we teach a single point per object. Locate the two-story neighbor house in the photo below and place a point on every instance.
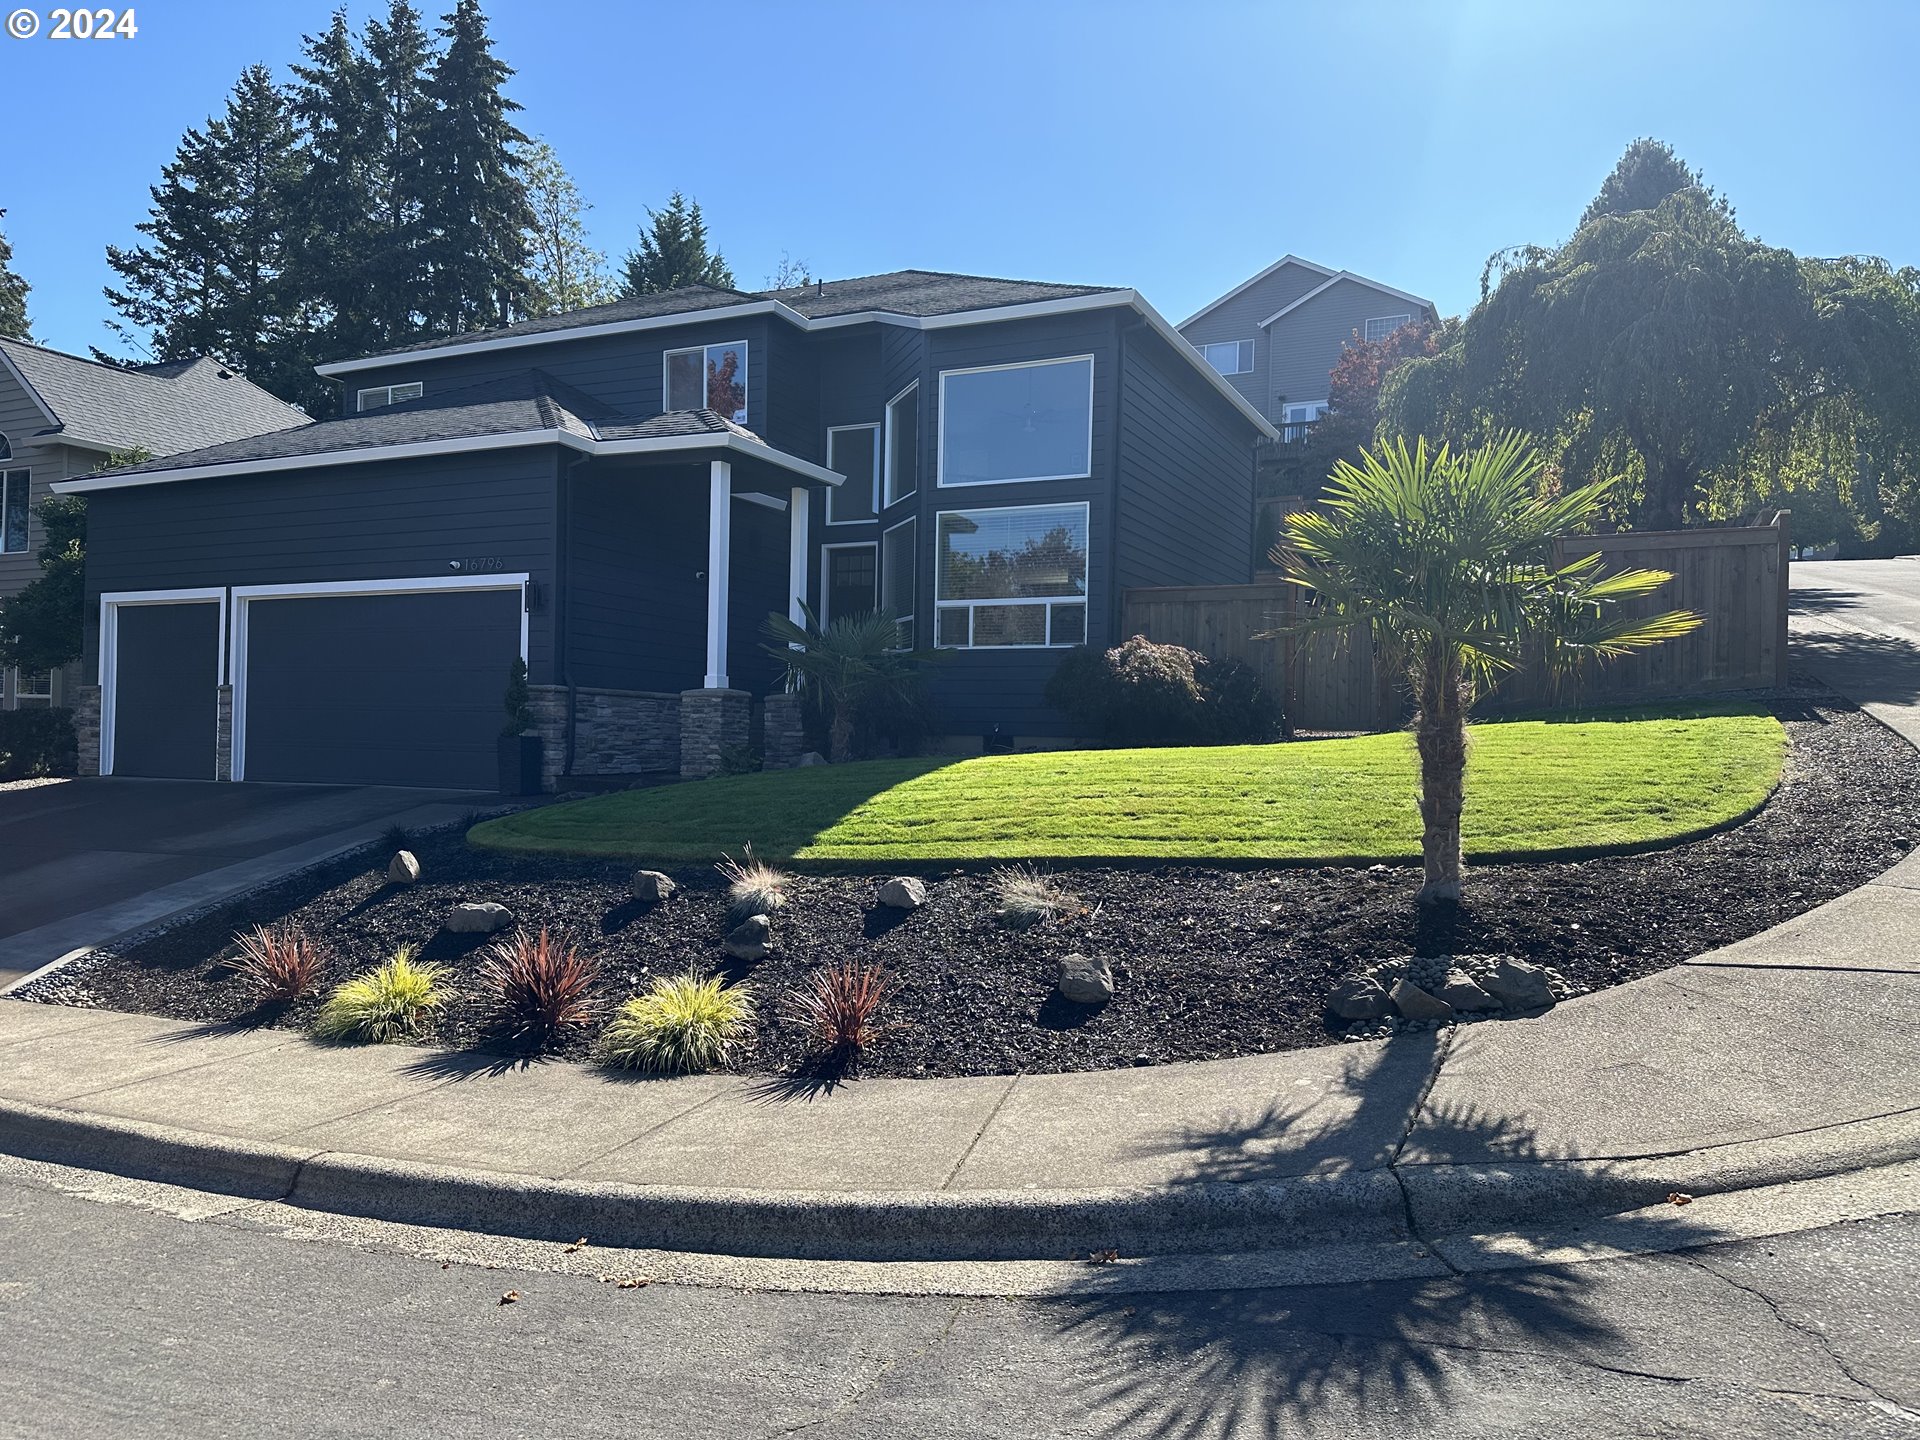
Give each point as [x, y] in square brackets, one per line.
[62, 416]
[1276, 336]
[621, 495]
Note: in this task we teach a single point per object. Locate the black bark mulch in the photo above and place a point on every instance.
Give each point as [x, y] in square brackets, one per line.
[1209, 962]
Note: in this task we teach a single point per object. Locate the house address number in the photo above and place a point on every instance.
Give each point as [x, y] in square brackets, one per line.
[480, 564]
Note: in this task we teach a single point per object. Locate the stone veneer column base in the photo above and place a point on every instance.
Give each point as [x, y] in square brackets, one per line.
[785, 738]
[711, 721]
[549, 706]
[223, 734]
[86, 726]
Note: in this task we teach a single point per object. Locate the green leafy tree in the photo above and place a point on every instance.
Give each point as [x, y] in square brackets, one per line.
[673, 252]
[40, 626]
[1449, 560]
[13, 294]
[564, 271]
[855, 661]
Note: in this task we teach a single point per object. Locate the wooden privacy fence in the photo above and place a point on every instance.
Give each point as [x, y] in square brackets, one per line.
[1735, 578]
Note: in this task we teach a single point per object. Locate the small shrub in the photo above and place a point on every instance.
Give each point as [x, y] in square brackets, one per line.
[681, 1025]
[839, 1007]
[35, 743]
[1240, 710]
[1143, 693]
[740, 759]
[541, 988]
[753, 887]
[396, 838]
[385, 1004]
[1025, 896]
[280, 961]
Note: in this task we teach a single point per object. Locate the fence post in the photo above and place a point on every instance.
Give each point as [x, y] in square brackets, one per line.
[1783, 523]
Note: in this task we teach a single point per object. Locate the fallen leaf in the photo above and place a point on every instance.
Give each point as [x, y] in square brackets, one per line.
[510, 1297]
[577, 1246]
[634, 1282]
[1679, 1197]
[1102, 1257]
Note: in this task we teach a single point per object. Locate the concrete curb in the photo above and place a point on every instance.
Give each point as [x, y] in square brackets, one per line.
[1406, 1202]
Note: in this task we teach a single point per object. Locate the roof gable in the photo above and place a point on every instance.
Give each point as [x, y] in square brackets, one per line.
[1422, 305]
[1253, 280]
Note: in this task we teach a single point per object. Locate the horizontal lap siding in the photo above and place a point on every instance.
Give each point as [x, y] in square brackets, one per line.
[637, 607]
[20, 421]
[1240, 317]
[1306, 344]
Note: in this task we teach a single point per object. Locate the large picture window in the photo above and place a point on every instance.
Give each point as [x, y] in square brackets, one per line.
[899, 575]
[14, 485]
[1012, 576]
[1017, 422]
[853, 451]
[903, 443]
[708, 377]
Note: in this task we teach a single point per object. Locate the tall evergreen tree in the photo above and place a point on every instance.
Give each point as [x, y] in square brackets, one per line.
[565, 271]
[1645, 175]
[477, 210]
[13, 294]
[673, 252]
[210, 279]
[399, 54]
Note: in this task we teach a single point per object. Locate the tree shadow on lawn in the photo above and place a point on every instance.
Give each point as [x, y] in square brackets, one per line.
[1303, 1359]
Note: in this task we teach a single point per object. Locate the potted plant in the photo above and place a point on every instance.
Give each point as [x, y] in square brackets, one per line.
[520, 749]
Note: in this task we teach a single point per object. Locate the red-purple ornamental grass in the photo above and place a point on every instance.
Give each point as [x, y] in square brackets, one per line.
[839, 1006]
[542, 988]
[280, 961]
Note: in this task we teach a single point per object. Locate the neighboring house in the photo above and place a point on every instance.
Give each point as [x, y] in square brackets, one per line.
[61, 416]
[1276, 336]
[622, 494]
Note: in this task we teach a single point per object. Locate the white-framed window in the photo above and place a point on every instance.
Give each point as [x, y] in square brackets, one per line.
[1297, 415]
[1032, 420]
[32, 691]
[6, 446]
[378, 395]
[14, 488]
[707, 377]
[854, 451]
[1229, 357]
[900, 575]
[849, 579]
[903, 444]
[1381, 326]
[1011, 577]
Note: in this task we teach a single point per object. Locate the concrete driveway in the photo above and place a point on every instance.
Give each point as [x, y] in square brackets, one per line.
[1856, 624]
[87, 860]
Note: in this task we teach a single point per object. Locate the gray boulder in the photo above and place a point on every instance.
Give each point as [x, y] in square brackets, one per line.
[813, 757]
[1462, 992]
[1518, 985]
[403, 869]
[751, 939]
[650, 887]
[904, 892]
[1416, 1004]
[478, 917]
[1360, 998]
[1085, 980]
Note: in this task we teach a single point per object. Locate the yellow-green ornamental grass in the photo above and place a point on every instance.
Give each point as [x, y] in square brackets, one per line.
[389, 1003]
[682, 1024]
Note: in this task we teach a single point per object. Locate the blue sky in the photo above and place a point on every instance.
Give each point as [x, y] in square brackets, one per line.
[1174, 147]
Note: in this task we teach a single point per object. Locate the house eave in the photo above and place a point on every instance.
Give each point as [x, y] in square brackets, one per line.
[1333, 280]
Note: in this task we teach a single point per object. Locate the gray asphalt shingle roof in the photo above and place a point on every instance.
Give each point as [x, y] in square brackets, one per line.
[636, 307]
[180, 405]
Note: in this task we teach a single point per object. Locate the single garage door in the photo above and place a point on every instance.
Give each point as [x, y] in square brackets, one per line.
[166, 688]
[379, 689]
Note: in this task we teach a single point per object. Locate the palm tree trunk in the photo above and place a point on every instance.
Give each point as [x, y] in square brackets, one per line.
[1440, 733]
[840, 734]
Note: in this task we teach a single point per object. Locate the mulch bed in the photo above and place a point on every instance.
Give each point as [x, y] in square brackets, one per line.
[1209, 962]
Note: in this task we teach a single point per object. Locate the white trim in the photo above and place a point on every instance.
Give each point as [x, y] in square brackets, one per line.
[1403, 319]
[888, 498]
[910, 619]
[666, 377]
[719, 552]
[1222, 386]
[9, 468]
[754, 497]
[826, 572]
[1322, 288]
[797, 557]
[1252, 353]
[20, 378]
[1085, 601]
[245, 595]
[940, 480]
[878, 427]
[1246, 285]
[360, 406]
[107, 657]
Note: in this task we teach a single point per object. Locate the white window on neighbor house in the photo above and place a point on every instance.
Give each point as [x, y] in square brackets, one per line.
[14, 487]
[378, 395]
[30, 691]
[903, 444]
[708, 377]
[900, 575]
[853, 451]
[1381, 326]
[1297, 415]
[1229, 357]
[849, 580]
[1028, 421]
[1013, 577]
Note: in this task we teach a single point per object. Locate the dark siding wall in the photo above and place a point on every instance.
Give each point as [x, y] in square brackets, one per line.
[758, 587]
[1186, 476]
[350, 522]
[852, 392]
[637, 607]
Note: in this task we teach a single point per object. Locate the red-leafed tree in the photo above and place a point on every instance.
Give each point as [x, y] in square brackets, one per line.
[724, 392]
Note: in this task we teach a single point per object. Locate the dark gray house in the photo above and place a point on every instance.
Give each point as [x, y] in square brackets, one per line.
[620, 495]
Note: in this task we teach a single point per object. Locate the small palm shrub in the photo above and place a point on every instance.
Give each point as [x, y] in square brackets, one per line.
[280, 961]
[1026, 895]
[385, 1004]
[753, 887]
[682, 1024]
[854, 670]
[839, 1007]
[540, 988]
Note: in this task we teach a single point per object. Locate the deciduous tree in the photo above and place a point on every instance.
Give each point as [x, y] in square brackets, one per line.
[565, 271]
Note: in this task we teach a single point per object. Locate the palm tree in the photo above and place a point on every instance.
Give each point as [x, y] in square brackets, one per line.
[856, 660]
[1449, 560]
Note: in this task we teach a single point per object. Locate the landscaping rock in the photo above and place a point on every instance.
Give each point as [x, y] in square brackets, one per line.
[403, 869]
[904, 892]
[478, 917]
[1518, 985]
[650, 887]
[1416, 1004]
[813, 757]
[1085, 980]
[1360, 998]
[751, 939]
[1462, 992]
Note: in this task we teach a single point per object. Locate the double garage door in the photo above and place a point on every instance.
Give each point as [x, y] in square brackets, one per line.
[335, 689]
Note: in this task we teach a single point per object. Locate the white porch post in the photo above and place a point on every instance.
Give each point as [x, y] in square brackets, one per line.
[797, 556]
[719, 545]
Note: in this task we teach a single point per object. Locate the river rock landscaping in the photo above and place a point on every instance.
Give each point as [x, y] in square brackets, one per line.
[1204, 961]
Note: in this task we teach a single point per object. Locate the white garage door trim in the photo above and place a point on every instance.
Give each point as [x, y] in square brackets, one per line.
[111, 603]
[245, 595]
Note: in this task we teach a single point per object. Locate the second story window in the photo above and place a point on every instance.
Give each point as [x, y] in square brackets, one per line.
[379, 395]
[14, 485]
[1027, 421]
[1381, 326]
[708, 377]
[1229, 357]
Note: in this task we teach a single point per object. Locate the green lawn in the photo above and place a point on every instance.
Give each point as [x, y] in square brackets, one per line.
[1533, 787]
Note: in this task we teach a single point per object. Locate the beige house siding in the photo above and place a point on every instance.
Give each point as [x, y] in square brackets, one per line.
[1239, 319]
